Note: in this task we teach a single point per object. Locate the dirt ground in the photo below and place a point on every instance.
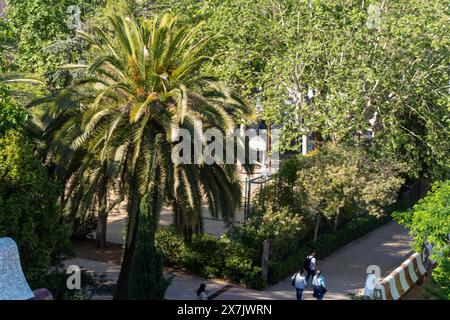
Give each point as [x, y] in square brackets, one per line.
[87, 249]
[419, 292]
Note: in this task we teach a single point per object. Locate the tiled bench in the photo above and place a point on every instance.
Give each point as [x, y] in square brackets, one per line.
[13, 285]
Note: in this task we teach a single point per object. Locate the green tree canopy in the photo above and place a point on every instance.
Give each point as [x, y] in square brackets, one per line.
[44, 34]
[336, 179]
[332, 66]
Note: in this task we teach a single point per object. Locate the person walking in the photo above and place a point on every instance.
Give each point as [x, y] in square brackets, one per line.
[310, 266]
[319, 286]
[299, 282]
[371, 283]
[201, 292]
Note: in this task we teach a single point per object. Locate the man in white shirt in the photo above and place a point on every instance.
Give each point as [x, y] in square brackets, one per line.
[299, 281]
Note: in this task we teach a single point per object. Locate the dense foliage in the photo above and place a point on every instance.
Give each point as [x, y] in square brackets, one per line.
[44, 34]
[350, 181]
[332, 66]
[28, 210]
[429, 223]
[211, 257]
[335, 70]
[334, 184]
[11, 115]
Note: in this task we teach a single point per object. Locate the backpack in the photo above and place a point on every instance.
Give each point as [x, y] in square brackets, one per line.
[293, 280]
[307, 263]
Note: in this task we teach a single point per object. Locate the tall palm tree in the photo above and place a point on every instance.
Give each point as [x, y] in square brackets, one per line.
[142, 84]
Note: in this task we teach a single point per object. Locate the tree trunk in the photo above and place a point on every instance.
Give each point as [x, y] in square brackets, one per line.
[102, 224]
[122, 290]
[62, 200]
[265, 261]
[316, 228]
[187, 233]
[177, 217]
[424, 187]
[102, 216]
[336, 221]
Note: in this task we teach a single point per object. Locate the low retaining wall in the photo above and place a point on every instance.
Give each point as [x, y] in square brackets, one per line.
[402, 279]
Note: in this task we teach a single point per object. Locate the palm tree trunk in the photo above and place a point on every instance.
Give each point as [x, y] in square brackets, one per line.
[122, 290]
[102, 215]
[180, 222]
[102, 224]
[188, 233]
[62, 200]
[177, 217]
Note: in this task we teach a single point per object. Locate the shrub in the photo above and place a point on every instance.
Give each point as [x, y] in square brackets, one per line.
[171, 246]
[28, 209]
[205, 255]
[289, 170]
[238, 261]
[285, 231]
[210, 257]
[241, 269]
[441, 274]
[82, 227]
[56, 283]
[279, 192]
[429, 222]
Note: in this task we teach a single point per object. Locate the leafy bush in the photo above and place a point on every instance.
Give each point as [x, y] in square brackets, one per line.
[56, 283]
[28, 209]
[171, 245]
[429, 222]
[82, 227]
[12, 116]
[441, 274]
[210, 257]
[289, 169]
[239, 264]
[205, 255]
[285, 230]
[279, 193]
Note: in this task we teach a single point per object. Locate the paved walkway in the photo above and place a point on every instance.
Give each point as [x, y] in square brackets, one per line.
[344, 270]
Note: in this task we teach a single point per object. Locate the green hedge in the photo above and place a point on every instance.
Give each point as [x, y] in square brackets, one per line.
[210, 257]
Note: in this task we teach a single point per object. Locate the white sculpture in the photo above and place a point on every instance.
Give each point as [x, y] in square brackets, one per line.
[13, 285]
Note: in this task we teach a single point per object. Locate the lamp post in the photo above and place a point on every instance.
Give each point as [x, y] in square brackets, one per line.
[258, 144]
